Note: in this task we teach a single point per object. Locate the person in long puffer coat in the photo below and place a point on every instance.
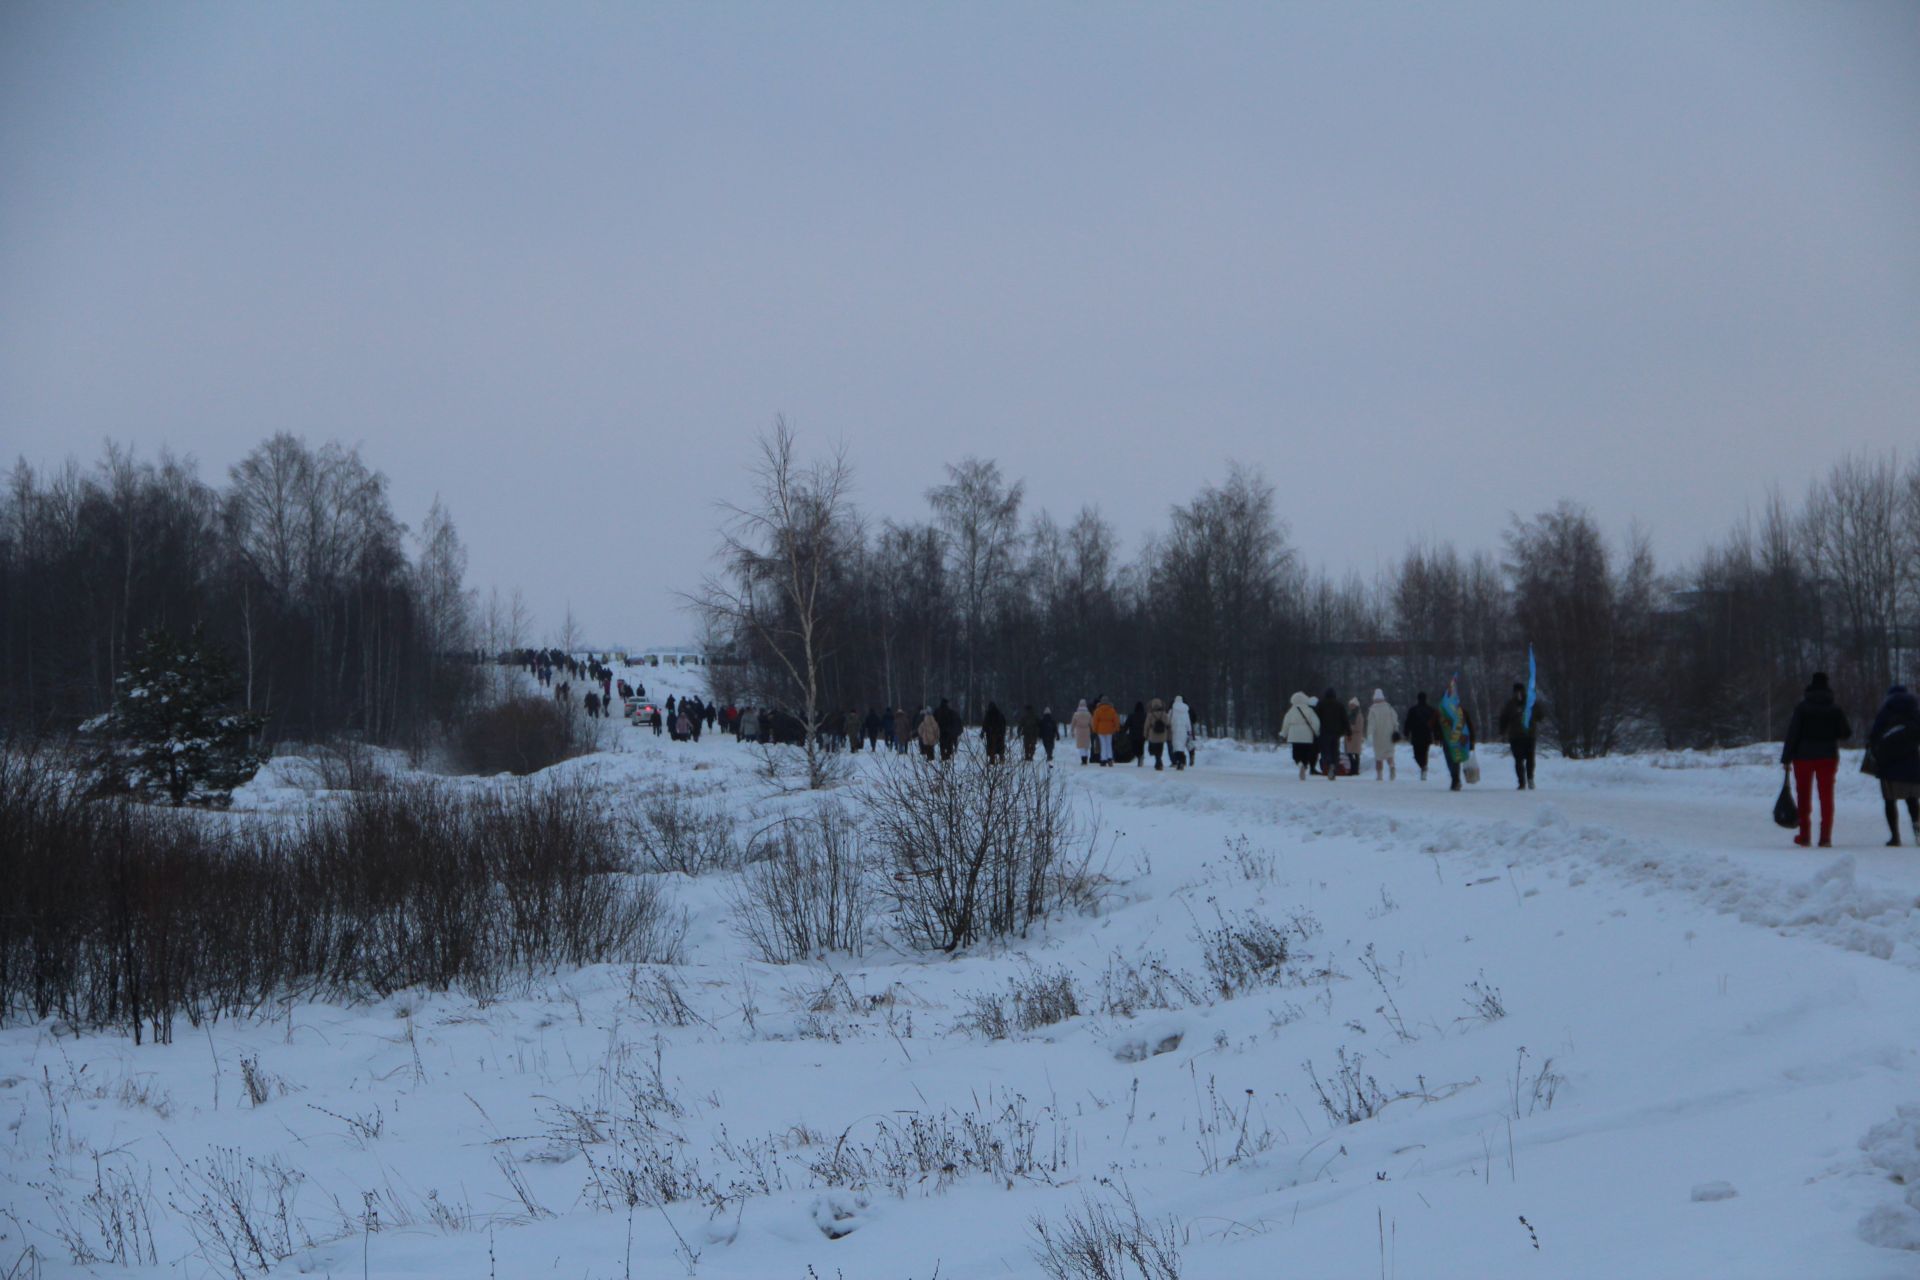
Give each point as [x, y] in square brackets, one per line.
[1159, 730]
[1356, 736]
[993, 727]
[1180, 731]
[902, 728]
[1383, 731]
[1895, 743]
[1082, 726]
[1333, 733]
[1301, 731]
[928, 733]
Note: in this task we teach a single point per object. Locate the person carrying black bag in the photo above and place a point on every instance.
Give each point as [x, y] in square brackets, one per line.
[1812, 753]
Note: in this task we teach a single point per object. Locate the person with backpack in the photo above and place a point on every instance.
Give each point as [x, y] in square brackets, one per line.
[1300, 729]
[1812, 752]
[1159, 731]
[1423, 726]
[1894, 741]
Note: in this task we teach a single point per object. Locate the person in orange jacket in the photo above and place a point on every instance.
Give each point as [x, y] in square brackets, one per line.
[1106, 723]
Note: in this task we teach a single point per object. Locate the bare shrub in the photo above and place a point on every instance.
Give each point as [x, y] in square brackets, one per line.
[1242, 954]
[805, 890]
[242, 1212]
[1034, 999]
[972, 849]
[932, 1150]
[337, 764]
[1351, 1095]
[1129, 985]
[1483, 1002]
[1105, 1241]
[671, 831]
[518, 736]
[121, 915]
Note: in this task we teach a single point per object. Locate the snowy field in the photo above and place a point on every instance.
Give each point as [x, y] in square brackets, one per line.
[1617, 1027]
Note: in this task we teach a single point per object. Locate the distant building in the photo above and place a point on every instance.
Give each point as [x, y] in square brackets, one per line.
[666, 656]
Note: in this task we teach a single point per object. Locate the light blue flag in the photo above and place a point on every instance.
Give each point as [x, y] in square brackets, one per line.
[1526, 717]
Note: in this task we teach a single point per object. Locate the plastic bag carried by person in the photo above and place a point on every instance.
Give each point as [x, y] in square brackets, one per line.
[1785, 812]
[1471, 771]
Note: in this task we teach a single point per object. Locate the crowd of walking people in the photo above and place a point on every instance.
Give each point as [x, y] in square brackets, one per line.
[1326, 736]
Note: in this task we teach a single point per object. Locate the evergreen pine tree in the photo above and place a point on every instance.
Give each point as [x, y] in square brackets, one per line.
[171, 731]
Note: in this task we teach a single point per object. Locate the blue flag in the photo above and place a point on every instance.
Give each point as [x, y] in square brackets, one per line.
[1526, 716]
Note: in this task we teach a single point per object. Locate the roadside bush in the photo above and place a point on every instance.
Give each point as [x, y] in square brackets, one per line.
[1241, 954]
[805, 890]
[1034, 999]
[519, 736]
[972, 849]
[120, 915]
[671, 831]
[1107, 1242]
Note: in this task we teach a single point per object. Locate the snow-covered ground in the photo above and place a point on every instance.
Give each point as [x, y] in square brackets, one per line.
[1615, 1027]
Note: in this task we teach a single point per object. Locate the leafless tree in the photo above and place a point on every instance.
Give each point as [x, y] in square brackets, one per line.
[980, 514]
[778, 555]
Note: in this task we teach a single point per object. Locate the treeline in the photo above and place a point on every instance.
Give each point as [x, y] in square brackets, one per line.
[338, 620]
[984, 599]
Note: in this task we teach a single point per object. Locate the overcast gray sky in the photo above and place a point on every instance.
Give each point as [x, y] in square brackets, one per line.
[559, 263]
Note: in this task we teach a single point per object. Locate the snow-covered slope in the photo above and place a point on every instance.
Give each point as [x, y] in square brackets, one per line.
[1614, 1027]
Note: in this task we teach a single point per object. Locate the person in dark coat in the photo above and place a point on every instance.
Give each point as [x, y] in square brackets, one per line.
[1519, 732]
[1028, 723]
[1333, 731]
[1895, 743]
[1423, 726]
[1049, 731]
[1137, 732]
[993, 726]
[1812, 753]
[948, 722]
[872, 725]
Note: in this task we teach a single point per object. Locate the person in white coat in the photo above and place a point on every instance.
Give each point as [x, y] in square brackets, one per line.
[1301, 731]
[1383, 731]
[1180, 739]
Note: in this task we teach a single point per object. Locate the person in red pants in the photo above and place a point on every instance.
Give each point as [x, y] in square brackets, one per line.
[1812, 751]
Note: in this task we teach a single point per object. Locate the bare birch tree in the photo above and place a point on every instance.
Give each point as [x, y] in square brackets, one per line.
[778, 555]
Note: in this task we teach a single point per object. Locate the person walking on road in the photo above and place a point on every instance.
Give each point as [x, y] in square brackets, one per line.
[1106, 723]
[1383, 731]
[1333, 733]
[1301, 731]
[1895, 743]
[1423, 726]
[1180, 732]
[1812, 753]
[1082, 726]
[1517, 724]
